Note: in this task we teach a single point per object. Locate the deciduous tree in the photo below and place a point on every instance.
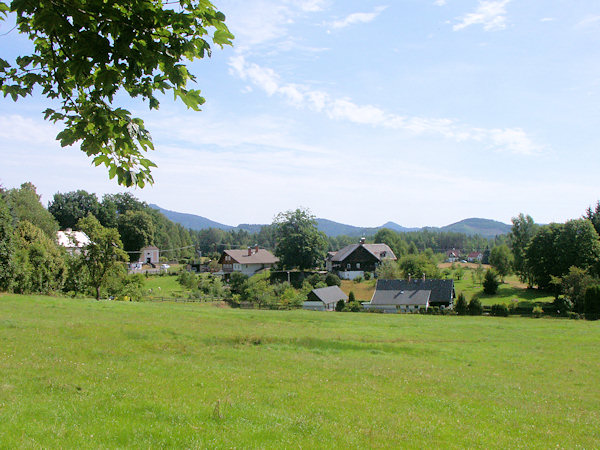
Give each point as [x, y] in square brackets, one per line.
[103, 255]
[85, 52]
[299, 243]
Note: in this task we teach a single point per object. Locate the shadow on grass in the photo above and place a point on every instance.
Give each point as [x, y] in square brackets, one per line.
[319, 344]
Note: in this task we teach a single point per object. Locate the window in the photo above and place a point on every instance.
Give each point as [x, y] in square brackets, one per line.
[348, 266]
[358, 265]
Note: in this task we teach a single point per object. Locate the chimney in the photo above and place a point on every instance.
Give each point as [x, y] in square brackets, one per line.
[249, 251]
[362, 240]
[255, 248]
[409, 277]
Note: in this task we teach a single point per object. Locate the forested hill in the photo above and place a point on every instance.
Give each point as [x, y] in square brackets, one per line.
[484, 227]
[191, 220]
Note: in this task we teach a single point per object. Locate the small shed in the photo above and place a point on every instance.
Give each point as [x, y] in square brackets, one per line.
[149, 255]
[324, 299]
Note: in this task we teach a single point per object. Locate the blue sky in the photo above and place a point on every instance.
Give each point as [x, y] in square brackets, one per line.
[423, 112]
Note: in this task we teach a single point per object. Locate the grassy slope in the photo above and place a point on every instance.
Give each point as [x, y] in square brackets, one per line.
[80, 373]
[508, 291]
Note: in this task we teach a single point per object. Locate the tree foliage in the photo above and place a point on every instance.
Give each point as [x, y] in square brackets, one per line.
[299, 243]
[523, 230]
[461, 306]
[68, 208]
[490, 282]
[557, 247]
[103, 255]
[592, 302]
[501, 259]
[85, 52]
[40, 264]
[24, 204]
[7, 248]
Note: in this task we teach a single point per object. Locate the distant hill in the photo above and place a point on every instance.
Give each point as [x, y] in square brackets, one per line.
[191, 220]
[485, 227]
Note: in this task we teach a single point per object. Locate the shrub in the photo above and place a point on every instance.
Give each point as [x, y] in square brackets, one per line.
[591, 305]
[358, 279]
[461, 305]
[573, 315]
[315, 279]
[351, 297]
[332, 280]
[367, 276]
[537, 312]
[354, 306]
[490, 282]
[500, 310]
[340, 305]
[187, 280]
[474, 307]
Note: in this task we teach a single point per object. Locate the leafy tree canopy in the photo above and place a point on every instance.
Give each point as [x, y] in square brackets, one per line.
[24, 204]
[87, 51]
[68, 208]
[299, 243]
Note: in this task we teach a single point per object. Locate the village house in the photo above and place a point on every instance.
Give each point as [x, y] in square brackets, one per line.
[410, 295]
[452, 255]
[248, 262]
[324, 299]
[475, 257]
[355, 259]
[73, 241]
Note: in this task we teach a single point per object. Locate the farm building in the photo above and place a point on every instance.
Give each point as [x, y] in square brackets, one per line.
[149, 255]
[354, 260]
[324, 299]
[410, 295]
[248, 262]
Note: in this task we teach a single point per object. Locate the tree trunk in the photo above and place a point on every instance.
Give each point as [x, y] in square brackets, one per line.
[97, 292]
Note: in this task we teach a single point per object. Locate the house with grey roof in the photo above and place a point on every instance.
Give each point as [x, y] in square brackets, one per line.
[410, 295]
[248, 262]
[324, 299]
[356, 259]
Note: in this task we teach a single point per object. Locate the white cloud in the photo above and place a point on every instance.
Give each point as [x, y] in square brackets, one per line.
[490, 14]
[355, 18]
[511, 140]
[547, 19]
[588, 21]
[440, 2]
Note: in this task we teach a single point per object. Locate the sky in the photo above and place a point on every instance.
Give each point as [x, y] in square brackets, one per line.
[421, 112]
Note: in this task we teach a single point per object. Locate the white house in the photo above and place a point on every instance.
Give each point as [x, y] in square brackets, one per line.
[73, 241]
[248, 261]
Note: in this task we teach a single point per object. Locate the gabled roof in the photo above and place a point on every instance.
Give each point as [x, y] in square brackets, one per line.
[379, 251]
[389, 297]
[474, 254]
[72, 239]
[260, 256]
[442, 291]
[148, 247]
[328, 295]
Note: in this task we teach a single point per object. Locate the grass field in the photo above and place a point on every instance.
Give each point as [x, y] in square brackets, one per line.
[81, 373]
[508, 291]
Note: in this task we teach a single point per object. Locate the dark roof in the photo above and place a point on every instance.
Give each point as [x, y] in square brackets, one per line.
[442, 291]
[379, 251]
[328, 295]
[389, 297]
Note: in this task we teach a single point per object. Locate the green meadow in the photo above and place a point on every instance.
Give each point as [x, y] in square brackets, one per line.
[81, 373]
